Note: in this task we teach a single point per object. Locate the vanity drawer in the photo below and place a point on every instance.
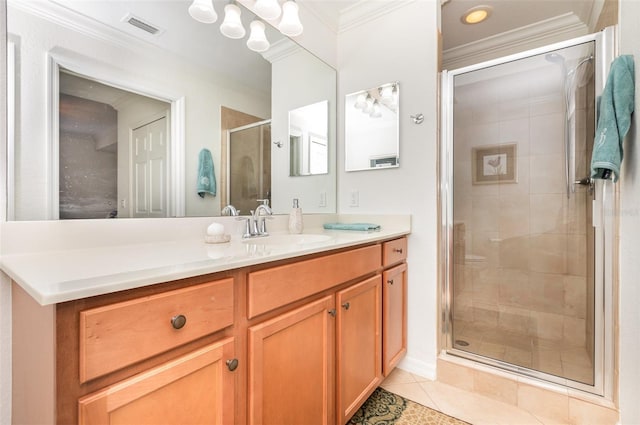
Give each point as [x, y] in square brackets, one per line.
[394, 251]
[279, 286]
[121, 334]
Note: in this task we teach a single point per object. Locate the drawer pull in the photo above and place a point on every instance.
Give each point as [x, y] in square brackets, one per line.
[390, 281]
[332, 312]
[398, 250]
[346, 306]
[232, 364]
[178, 321]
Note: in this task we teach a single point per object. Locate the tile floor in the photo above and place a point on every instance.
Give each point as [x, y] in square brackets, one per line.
[465, 405]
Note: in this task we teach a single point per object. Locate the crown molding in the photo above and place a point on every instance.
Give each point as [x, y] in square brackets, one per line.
[84, 25]
[548, 31]
[366, 10]
[281, 49]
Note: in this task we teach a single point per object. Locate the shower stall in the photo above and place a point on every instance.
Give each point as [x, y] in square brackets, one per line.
[526, 238]
[249, 169]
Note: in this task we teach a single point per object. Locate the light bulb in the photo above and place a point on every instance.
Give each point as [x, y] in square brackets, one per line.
[267, 9]
[386, 94]
[361, 101]
[375, 110]
[232, 25]
[290, 24]
[203, 11]
[257, 39]
[369, 105]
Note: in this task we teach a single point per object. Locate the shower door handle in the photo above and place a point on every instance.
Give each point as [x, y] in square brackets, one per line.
[586, 181]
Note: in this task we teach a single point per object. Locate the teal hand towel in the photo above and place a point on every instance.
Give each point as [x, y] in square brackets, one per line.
[206, 174]
[363, 227]
[615, 108]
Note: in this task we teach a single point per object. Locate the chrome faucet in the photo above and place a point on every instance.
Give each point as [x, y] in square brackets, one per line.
[230, 210]
[256, 224]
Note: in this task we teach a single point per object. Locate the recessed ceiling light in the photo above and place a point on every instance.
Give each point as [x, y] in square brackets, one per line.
[475, 15]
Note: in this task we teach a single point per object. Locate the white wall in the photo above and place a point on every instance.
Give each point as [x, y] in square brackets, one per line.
[401, 46]
[629, 234]
[204, 93]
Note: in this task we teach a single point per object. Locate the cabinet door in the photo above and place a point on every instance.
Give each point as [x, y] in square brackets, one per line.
[291, 364]
[394, 313]
[359, 357]
[197, 388]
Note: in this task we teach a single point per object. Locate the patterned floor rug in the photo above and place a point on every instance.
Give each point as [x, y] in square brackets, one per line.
[385, 408]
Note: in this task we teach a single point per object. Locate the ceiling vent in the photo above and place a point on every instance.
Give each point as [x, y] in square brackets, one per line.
[141, 24]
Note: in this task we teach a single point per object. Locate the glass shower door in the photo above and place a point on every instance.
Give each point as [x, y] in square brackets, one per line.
[522, 286]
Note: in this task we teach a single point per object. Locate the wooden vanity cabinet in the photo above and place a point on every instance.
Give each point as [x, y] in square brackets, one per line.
[291, 360]
[195, 388]
[311, 339]
[359, 345]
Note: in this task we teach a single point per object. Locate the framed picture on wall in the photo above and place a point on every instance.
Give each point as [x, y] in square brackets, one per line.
[493, 164]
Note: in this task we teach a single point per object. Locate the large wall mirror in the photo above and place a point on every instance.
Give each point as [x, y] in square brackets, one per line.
[372, 137]
[113, 101]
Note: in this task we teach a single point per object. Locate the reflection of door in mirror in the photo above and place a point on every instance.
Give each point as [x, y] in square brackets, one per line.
[372, 128]
[308, 136]
[113, 150]
[249, 177]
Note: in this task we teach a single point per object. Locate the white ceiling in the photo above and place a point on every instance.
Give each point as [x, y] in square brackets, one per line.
[507, 15]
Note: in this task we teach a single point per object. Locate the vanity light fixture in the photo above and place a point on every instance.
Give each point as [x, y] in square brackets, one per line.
[289, 25]
[369, 105]
[257, 39]
[232, 25]
[203, 11]
[476, 14]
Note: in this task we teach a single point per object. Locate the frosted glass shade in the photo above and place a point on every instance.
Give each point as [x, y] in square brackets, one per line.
[203, 11]
[257, 39]
[290, 24]
[375, 110]
[232, 25]
[361, 101]
[268, 9]
[386, 95]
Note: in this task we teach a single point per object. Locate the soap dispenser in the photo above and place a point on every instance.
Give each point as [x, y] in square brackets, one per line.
[295, 218]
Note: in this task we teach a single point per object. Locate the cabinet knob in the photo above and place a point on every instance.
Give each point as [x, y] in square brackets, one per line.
[390, 281]
[178, 321]
[398, 250]
[232, 364]
[332, 312]
[346, 305]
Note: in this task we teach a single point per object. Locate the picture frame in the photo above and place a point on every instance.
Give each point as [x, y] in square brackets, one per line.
[493, 164]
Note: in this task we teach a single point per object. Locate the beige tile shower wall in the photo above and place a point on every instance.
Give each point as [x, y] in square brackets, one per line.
[533, 279]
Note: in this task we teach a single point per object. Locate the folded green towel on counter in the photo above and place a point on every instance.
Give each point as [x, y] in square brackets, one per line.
[363, 227]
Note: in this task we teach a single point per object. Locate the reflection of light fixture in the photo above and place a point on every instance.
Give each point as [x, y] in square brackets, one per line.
[386, 94]
[375, 110]
[361, 101]
[232, 25]
[290, 24]
[475, 15]
[368, 105]
[257, 39]
[268, 9]
[203, 11]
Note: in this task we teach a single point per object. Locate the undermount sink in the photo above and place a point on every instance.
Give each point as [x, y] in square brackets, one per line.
[288, 239]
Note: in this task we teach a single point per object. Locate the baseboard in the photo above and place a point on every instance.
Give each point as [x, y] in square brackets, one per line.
[418, 367]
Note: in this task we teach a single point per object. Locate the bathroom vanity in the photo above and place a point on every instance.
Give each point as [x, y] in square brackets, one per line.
[281, 335]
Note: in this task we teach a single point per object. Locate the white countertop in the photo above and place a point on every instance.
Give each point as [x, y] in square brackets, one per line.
[54, 276]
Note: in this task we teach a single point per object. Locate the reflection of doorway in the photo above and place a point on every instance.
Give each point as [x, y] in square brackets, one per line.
[96, 166]
[249, 177]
